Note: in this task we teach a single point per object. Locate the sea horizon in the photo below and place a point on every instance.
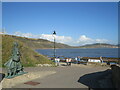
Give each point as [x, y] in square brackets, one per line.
[83, 52]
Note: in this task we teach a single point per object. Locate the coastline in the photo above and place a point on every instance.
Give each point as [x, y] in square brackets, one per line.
[77, 48]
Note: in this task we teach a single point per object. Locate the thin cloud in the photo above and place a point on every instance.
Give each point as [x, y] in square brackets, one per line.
[60, 39]
[82, 40]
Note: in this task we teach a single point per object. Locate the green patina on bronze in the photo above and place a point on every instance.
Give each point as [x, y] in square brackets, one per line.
[14, 66]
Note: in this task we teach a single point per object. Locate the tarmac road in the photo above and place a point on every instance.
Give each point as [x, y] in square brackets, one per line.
[65, 76]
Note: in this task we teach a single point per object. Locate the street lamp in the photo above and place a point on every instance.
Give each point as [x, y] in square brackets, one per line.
[54, 33]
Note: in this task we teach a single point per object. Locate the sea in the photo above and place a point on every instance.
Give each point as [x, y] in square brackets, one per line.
[82, 52]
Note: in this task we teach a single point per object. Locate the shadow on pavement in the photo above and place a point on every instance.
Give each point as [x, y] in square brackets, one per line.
[1, 76]
[97, 80]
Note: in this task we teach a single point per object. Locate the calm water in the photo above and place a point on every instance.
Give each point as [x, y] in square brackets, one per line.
[97, 52]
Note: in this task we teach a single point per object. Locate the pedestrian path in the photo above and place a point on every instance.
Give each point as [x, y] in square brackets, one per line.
[65, 77]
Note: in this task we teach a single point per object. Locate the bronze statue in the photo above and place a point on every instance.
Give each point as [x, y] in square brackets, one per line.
[14, 65]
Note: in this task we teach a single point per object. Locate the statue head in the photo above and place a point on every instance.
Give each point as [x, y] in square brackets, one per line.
[15, 44]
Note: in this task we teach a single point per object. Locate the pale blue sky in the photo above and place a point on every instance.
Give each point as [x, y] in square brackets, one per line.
[76, 20]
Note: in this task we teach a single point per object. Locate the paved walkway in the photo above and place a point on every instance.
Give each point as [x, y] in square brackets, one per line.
[65, 76]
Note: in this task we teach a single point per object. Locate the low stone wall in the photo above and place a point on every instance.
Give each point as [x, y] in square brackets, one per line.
[116, 76]
[96, 63]
[45, 65]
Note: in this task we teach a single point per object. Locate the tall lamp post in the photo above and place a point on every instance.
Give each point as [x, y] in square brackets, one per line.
[54, 33]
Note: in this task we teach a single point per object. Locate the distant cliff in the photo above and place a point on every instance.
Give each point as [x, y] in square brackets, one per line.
[39, 43]
[99, 45]
[45, 44]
